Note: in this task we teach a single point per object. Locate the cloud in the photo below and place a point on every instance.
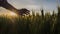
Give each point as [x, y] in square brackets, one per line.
[34, 4]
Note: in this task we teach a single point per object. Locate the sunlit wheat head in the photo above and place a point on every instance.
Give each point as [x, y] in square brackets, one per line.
[9, 14]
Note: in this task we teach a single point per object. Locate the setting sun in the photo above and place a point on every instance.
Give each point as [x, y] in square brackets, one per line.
[12, 14]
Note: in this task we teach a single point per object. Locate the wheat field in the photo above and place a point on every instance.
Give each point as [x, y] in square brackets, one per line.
[32, 24]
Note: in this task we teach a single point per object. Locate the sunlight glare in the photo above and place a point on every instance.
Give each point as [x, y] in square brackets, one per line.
[12, 14]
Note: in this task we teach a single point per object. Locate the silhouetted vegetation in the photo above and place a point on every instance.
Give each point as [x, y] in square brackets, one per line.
[32, 24]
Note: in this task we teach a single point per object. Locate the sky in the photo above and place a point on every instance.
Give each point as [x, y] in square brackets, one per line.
[35, 4]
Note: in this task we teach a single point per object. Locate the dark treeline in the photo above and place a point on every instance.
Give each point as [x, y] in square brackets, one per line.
[32, 24]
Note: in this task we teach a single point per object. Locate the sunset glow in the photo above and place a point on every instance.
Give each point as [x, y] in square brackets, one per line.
[9, 14]
[12, 14]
